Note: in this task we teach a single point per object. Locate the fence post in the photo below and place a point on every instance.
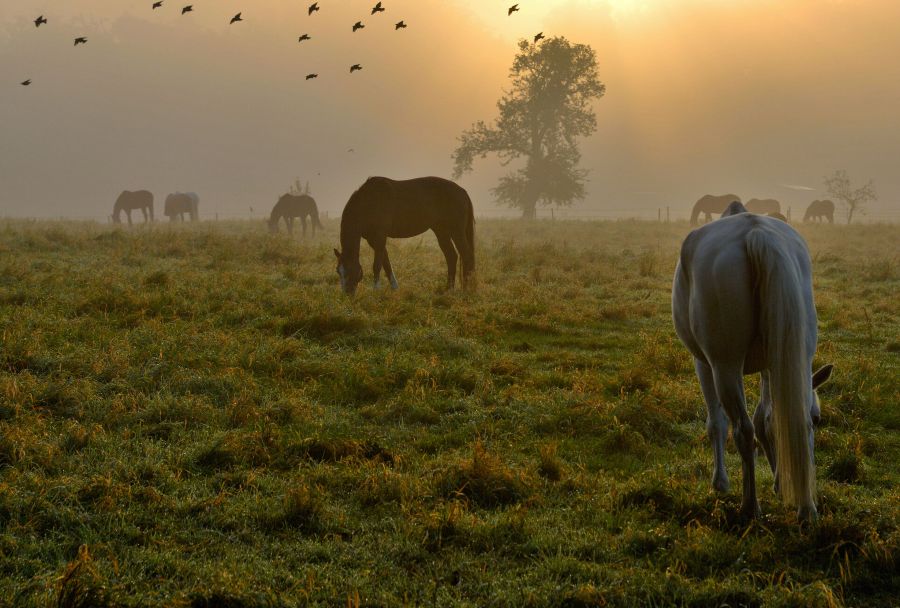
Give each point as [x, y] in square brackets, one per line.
[658, 214]
[667, 214]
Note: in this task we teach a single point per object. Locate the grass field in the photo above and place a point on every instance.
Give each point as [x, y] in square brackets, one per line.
[195, 416]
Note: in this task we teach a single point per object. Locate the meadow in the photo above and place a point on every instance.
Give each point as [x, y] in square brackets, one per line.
[195, 416]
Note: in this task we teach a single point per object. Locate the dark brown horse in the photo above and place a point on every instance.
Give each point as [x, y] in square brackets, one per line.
[384, 208]
[129, 201]
[291, 206]
[180, 203]
[710, 204]
[821, 210]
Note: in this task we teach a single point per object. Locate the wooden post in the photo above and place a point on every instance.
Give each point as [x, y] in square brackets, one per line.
[667, 214]
[659, 214]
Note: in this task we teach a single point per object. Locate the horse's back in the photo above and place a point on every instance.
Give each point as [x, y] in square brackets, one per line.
[715, 295]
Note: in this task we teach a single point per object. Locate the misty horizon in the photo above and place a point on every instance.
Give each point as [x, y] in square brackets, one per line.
[761, 99]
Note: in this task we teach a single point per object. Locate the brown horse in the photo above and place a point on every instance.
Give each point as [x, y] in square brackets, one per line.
[819, 210]
[763, 206]
[383, 208]
[180, 203]
[710, 204]
[290, 206]
[129, 201]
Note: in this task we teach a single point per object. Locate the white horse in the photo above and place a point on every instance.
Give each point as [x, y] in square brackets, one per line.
[742, 303]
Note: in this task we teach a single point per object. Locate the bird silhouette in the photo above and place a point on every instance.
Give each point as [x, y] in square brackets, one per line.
[538, 36]
[313, 7]
[304, 37]
[512, 9]
[25, 83]
[311, 76]
[399, 26]
[189, 8]
[40, 21]
[377, 8]
[358, 26]
[355, 68]
[157, 5]
[80, 40]
[235, 18]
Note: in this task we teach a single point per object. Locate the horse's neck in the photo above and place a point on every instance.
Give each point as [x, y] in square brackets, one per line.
[350, 238]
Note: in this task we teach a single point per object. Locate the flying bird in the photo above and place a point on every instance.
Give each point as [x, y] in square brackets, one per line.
[378, 8]
[311, 76]
[313, 7]
[399, 26]
[157, 5]
[25, 83]
[40, 21]
[538, 36]
[80, 40]
[512, 9]
[358, 26]
[304, 37]
[235, 18]
[355, 68]
[189, 8]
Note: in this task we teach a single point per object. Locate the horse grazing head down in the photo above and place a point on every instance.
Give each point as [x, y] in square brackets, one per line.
[350, 274]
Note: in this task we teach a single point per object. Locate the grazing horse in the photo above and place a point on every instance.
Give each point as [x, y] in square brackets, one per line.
[763, 206]
[383, 208]
[129, 201]
[290, 206]
[820, 210]
[742, 303]
[180, 203]
[710, 204]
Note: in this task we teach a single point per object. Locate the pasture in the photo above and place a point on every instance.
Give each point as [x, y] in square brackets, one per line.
[194, 415]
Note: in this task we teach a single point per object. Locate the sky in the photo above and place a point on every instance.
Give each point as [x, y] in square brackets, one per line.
[752, 97]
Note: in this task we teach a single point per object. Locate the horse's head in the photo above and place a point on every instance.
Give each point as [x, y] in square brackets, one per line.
[350, 273]
[818, 379]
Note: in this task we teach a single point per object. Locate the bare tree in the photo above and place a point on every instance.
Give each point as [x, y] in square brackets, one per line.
[839, 187]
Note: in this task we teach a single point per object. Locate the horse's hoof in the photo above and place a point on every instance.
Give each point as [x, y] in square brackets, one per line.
[807, 515]
[720, 484]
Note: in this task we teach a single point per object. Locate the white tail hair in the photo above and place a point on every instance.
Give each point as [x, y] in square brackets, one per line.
[783, 327]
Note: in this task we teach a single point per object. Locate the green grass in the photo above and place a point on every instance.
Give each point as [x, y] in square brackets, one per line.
[195, 416]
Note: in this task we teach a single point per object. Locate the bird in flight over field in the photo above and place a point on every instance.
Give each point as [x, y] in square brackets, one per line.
[235, 18]
[378, 8]
[40, 21]
[304, 37]
[313, 7]
[355, 68]
[538, 36]
[512, 9]
[358, 26]
[25, 83]
[399, 26]
[157, 4]
[189, 8]
[80, 40]
[311, 76]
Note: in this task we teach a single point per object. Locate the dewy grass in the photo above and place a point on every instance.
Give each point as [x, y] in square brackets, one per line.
[195, 416]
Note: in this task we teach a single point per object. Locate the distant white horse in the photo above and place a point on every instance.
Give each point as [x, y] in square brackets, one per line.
[742, 303]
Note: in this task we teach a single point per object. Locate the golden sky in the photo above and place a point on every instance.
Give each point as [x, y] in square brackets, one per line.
[743, 96]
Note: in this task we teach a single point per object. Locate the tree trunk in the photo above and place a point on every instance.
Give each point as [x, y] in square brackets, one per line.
[529, 207]
[850, 214]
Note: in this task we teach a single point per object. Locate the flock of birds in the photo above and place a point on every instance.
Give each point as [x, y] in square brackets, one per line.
[313, 8]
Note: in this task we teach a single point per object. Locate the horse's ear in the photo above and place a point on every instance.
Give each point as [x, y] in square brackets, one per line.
[337, 254]
[822, 375]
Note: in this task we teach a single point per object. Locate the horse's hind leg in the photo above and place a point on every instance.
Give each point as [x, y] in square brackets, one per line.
[466, 252]
[716, 425]
[761, 423]
[730, 388]
[450, 255]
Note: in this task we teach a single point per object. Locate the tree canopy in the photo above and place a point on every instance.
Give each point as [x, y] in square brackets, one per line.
[540, 118]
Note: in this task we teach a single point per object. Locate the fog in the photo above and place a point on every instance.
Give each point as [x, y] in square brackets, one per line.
[702, 97]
